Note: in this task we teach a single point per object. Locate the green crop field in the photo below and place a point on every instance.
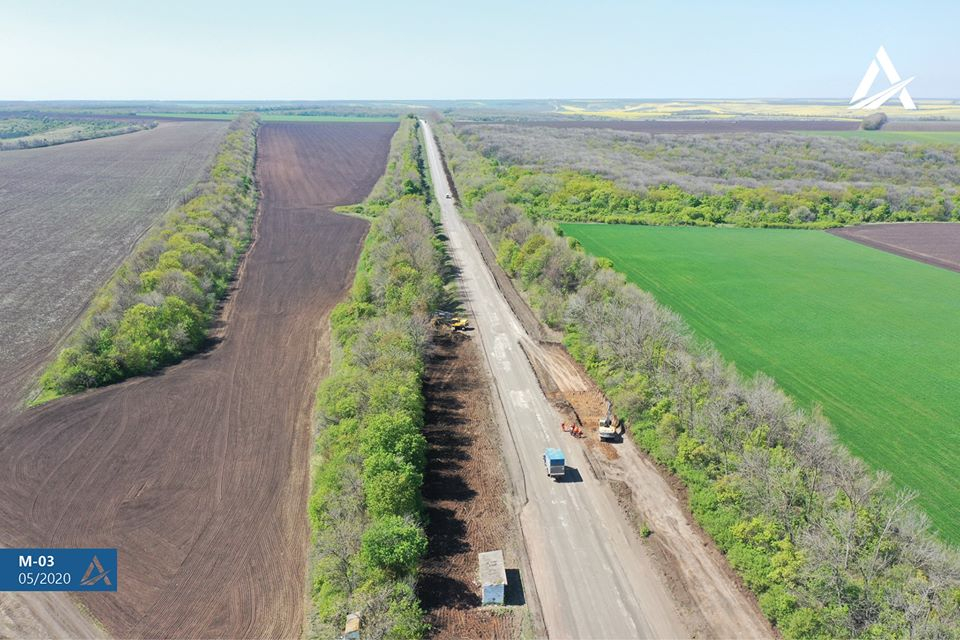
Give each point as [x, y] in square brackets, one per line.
[927, 137]
[872, 337]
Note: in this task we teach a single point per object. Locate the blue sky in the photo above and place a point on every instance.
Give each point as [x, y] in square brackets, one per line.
[367, 49]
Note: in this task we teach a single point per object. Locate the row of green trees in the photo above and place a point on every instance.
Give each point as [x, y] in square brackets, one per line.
[580, 197]
[830, 549]
[757, 180]
[25, 132]
[370, 455]
[158, 306]
[405, 172]
[20, 127]
[366, 506]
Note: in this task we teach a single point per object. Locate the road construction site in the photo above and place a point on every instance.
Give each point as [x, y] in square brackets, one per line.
[593, 574]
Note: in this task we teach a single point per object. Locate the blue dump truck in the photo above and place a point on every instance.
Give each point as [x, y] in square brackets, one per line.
[555, 463]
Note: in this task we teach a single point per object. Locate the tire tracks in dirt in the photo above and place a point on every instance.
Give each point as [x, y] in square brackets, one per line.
[467, 500]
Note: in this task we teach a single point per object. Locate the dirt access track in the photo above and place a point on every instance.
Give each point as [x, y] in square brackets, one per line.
[465, 495]
[199, 475]
[935, 243]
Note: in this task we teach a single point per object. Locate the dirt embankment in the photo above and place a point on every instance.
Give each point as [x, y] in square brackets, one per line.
[199, 474]
[934, 243]
[465, 492]
[714, 600]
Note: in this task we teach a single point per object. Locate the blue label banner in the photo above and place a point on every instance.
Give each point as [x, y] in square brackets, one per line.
[58, 569]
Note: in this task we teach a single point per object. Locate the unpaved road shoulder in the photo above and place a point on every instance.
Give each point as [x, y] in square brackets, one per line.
[465, 494]
[44, 615]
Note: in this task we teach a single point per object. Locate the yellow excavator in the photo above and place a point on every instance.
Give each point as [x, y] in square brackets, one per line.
[608, 427]
[456, 323]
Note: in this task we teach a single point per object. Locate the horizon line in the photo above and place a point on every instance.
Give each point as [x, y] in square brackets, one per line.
[413, 100]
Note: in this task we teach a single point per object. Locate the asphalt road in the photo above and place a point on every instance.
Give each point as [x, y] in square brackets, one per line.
[591, 573]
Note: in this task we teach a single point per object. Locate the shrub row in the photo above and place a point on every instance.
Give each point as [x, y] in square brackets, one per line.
[22, 133]
[405, 172]
[159, 304]
[829, 548]
[366, 508]
[580, 197]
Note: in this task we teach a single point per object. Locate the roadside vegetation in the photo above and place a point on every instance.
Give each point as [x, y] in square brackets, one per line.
[405, 174]
[748, 180]
[158, 306]
[366, 507]
[28, 132]
[829, 547]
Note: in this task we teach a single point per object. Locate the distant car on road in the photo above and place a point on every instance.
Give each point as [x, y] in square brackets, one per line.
[449, 196]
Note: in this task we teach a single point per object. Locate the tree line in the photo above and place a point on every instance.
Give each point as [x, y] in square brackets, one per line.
[830, 548]
[366, 506]
[405, 174]
[754, 180]
[158, 306]
[23, 133]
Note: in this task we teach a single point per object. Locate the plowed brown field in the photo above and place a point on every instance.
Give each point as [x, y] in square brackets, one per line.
[69, 215]
[199, 475]
[936, 243]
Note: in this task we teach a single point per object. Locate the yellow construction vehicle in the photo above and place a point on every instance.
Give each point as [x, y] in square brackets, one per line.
[607, 426]
[456, 323]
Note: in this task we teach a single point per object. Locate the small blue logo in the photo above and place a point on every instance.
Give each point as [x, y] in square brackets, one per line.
[88, 580]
